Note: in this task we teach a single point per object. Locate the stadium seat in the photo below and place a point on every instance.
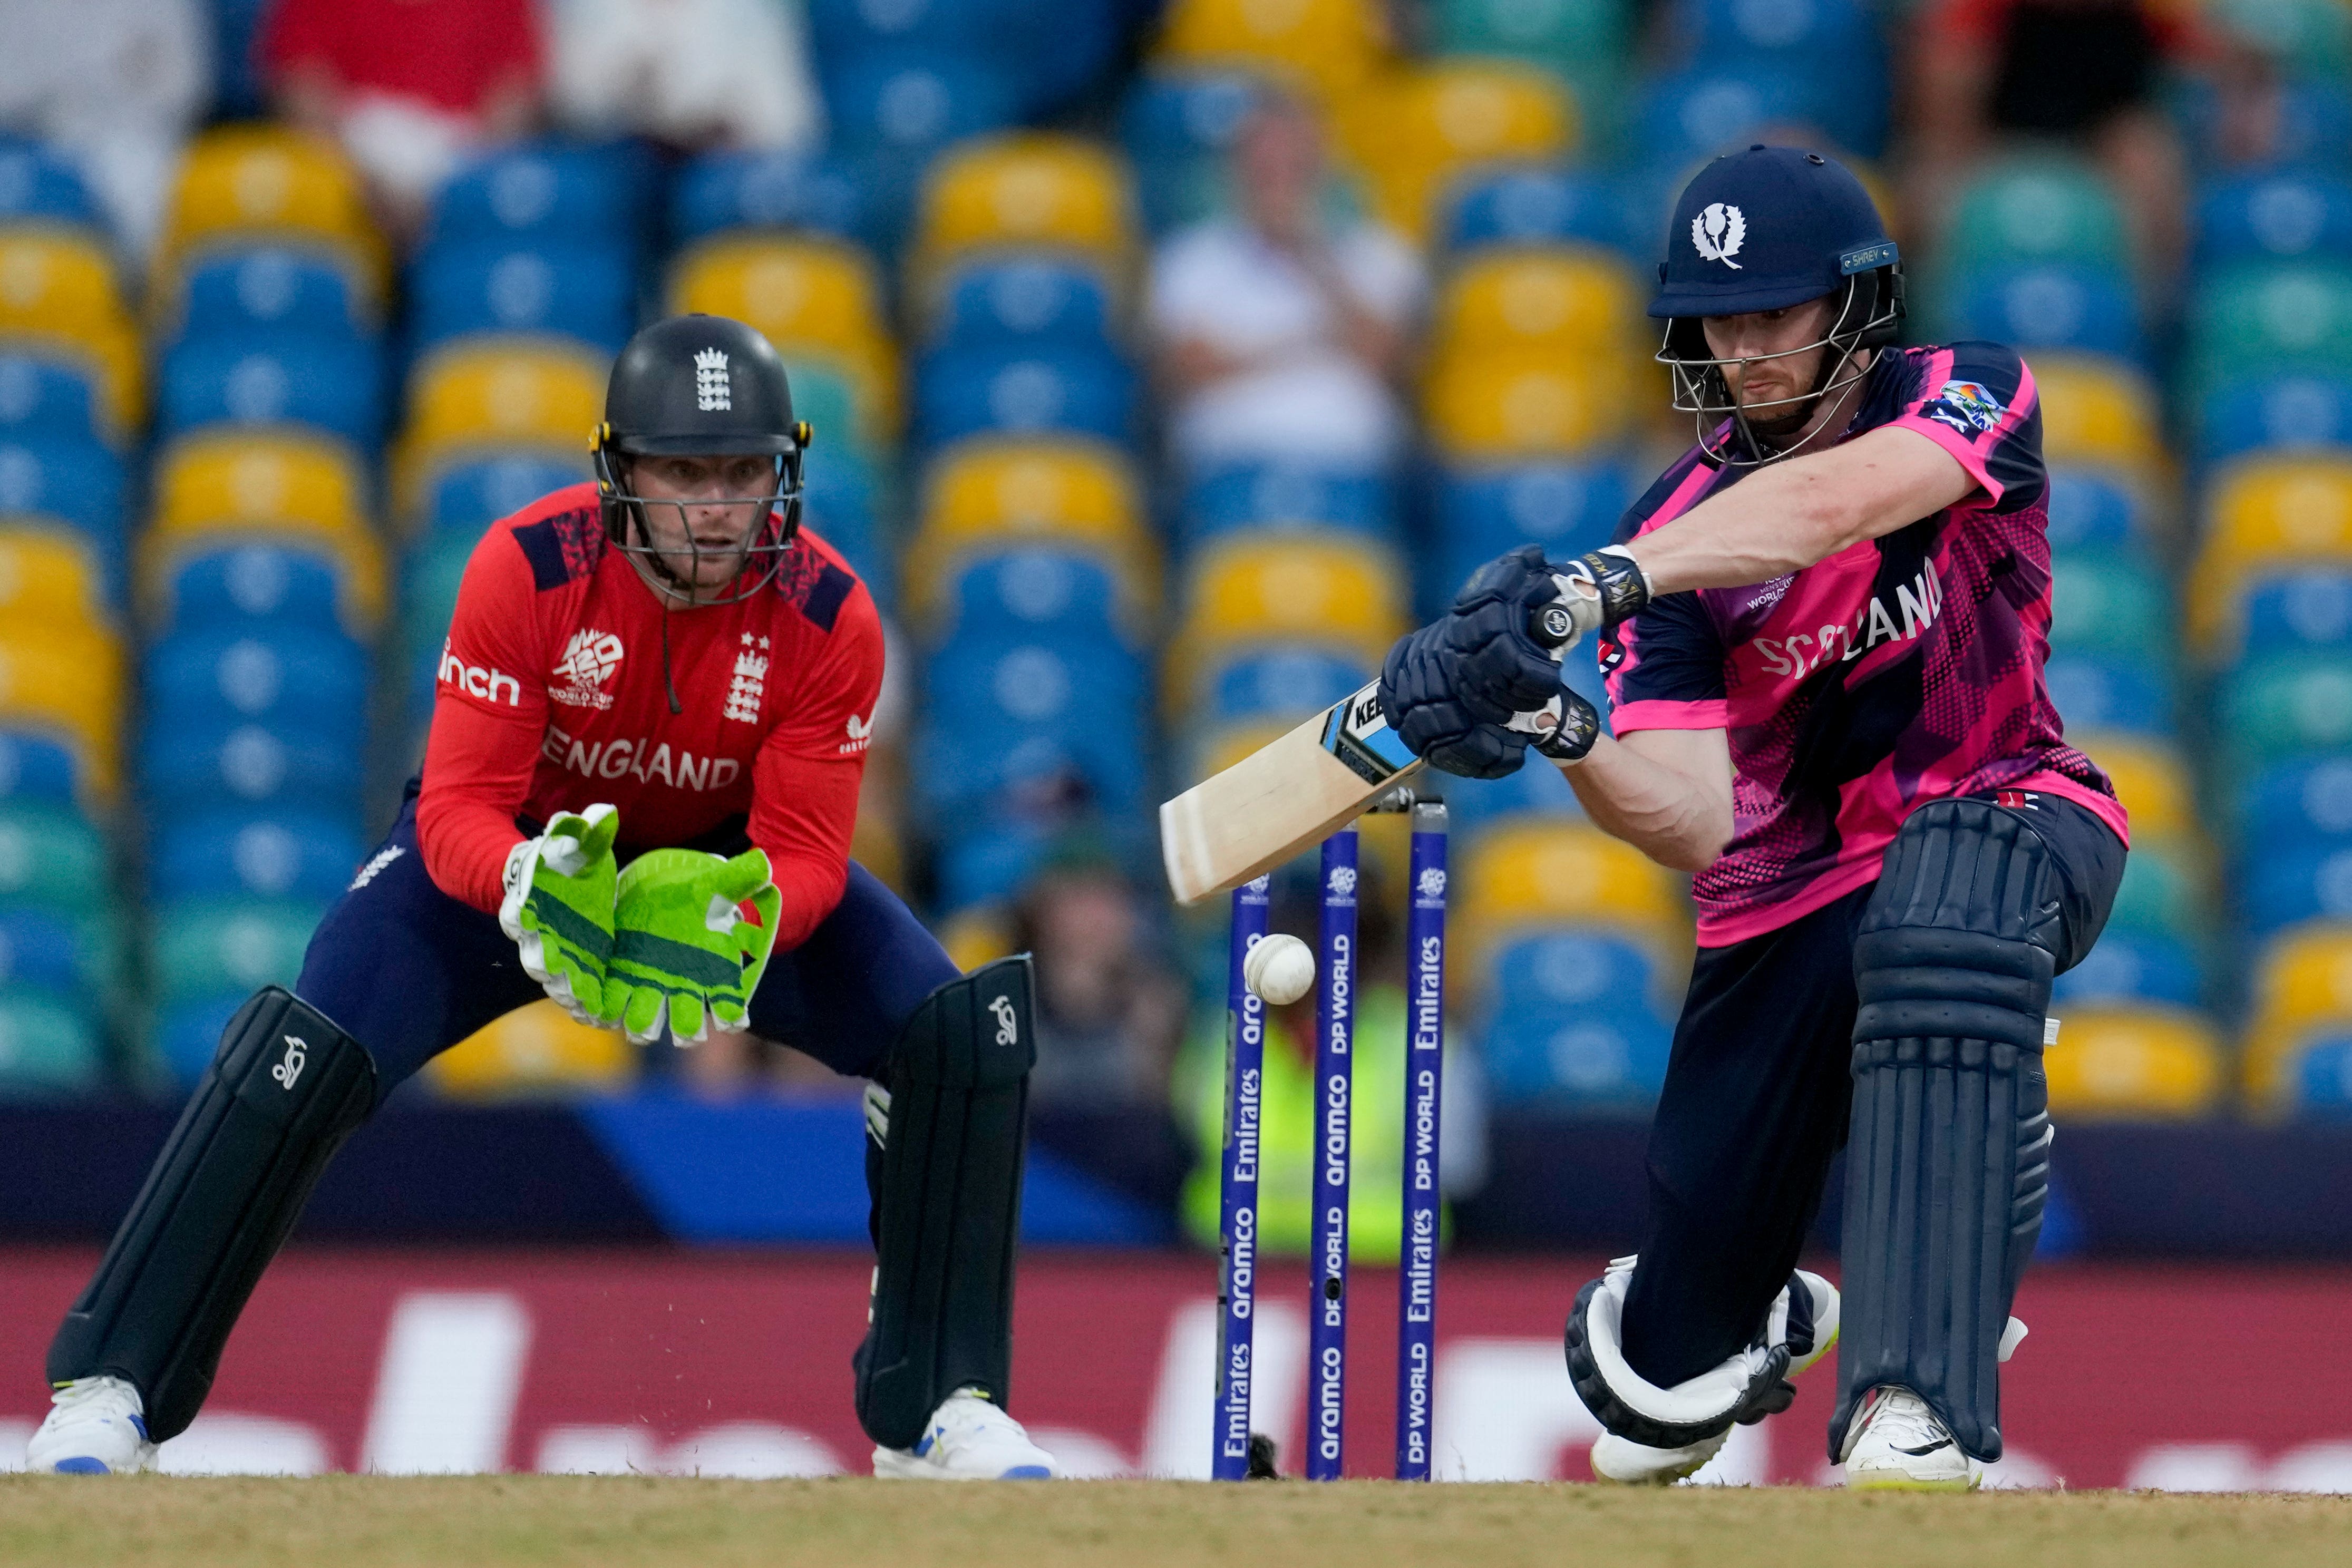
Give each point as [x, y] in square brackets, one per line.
[2268, 318]
[2299, 610]
[2266, 517]
[1609, 1053]
[2111, 693]
[2301, 805]
[1259, 495]
[1585, 41]
[297, 681]
[330, 385]
[2114, 603]
[1023, 301]
[61, 285]
[2094, 411]
[2142, 1062]
[2132, 967]
[1065, 389]
[1328, 592]
[1422, 127]
[1522, 873]
[1556, 298]
[78, 484]
[210, 947]
[1004, 721]
[52, 859]
[1494, 408]
[2277, 215]
[814, 299]
[2279, 706]
[222, 579]
[986, 496]
[2097, 508]
[2288, 885]
[67, 687]
[2267, 412]
[1025, 190]
[48, 1046]
[1178, 128]
[2303, 977]
[1037, 591]
[185, 1037]
[1535, 206]
[2043, 306]
[228, 480]
[466, 403]
[565, 290]
[242, 183]
[51, 398]
[1281, 684]
[2313, 1078]
[305, 855]
[1474, 805]
[1328, 47]
[40, 188]
[50, 578]
[2164, 891]
[1481, 513]
[534, 1050]
[272, 286]
[2152, 780]
[1681, 117]
[39, 768]
[43, 950]
[547, 192]
[2038, 208]
[721, 191]
[220, 762]
[466, 498]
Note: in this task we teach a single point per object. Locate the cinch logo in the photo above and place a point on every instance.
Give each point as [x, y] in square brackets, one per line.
[641, 760]
[588, 662]
[861, 734]
[713, 394]
[491, 685]
[290, 1068]
[1917, 600]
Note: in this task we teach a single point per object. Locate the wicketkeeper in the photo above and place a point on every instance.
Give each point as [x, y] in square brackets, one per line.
[1822, 631]
[637, 797]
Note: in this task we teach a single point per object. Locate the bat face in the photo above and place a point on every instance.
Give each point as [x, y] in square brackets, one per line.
[1282, 798]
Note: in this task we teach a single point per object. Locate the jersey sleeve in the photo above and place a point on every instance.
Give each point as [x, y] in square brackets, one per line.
[489, 714]
[1665, 668]
[805, 778]
[1978, 402]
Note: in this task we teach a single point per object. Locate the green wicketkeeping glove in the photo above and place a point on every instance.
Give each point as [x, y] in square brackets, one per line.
[691, 934]
[559, 908]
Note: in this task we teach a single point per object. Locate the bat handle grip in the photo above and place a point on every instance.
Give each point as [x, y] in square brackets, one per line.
[1552, 625]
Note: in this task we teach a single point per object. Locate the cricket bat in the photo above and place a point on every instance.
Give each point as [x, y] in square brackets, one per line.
[1299, 788]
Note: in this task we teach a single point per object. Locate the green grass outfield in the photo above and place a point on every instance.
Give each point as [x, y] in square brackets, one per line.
[353, 1521]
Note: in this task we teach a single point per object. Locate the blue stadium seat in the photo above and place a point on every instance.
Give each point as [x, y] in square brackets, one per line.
[1282, 683]
[227, 765]
[272, 287]
[1009, 722]
[719, 191]
[909, 100]
[1036, 592]
[77, 482]
[1029, 302]
[467, 497]
[2133, 965]
[2321, 1076]
[49, 1045]
[1178, 130]
[2273, 217]
[252, 588]
[268, 853]
[586, 292]
[2091, 510]
[44, 399]
[1610, 1052]
[39, 185]
[334, 384]
[1473, 804]
[1567, 508]
[2313, 132]
[1694, 113]
[44, 951]
[1050, 51]
[2093, 691]
[2292, 883]
[2271, 413]
[292, 679]
[1274, 494]
[1541, 206]
[2305, 610]
[36, 768]
[1568, 968]
[960, 392]
[2050, 307]
[562, 195]
[838, 503]
[2299, 807]
[1835, 44]
[186, 1035]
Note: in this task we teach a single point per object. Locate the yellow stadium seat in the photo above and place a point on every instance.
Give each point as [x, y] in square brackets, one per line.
[535, 1050]
[1327, 47]
[300, 483]
[800, 294]
[1499, 406]
[985, 494]
[474, 397]
[1527, 874]
[51, 582]
[1421, 127]
[1246, 591]
[2265, 515]
[2152, 780]
[2135, 1061]
[59, 285]
[2303, 984]
[255, 178]
[68, 685]
[2095, 410]
[978, 934]
[1026, 190]
[1558, 299]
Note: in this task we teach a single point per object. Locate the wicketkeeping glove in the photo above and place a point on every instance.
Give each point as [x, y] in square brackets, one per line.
[690, 940]
[559, 908]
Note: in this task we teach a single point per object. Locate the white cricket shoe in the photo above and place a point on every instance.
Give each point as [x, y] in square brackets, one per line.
[1897, 1443]
[969, 1439]
[96, 1427]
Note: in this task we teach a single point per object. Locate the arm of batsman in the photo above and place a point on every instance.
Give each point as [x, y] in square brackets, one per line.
[692, 934]
[557, 907]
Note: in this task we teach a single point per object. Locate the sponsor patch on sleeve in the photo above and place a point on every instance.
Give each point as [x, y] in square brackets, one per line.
[1967, 406]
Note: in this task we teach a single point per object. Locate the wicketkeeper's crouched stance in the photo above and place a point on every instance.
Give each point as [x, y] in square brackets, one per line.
[637, 797]
[1825, 673]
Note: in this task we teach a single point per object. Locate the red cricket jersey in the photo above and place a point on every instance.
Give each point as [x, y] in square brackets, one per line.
[550, 698]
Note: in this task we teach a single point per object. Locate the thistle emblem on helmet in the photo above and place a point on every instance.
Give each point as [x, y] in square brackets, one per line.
[713, 392]
[1717, 232]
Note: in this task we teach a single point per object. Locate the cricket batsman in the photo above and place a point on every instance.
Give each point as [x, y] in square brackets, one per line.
[1822, 634]
[638, 795]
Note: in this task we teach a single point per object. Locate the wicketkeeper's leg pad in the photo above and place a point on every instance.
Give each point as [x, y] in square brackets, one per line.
[284, 1090]
[950, 1134]
[1947, 1161]
[1750, 1384]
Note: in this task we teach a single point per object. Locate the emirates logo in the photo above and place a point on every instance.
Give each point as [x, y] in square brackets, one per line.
[588, 662]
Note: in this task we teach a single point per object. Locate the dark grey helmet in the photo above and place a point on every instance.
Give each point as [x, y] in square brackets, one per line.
[701, 386]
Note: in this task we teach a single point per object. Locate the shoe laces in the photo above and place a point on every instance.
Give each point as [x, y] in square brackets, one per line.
[1901, 1419]
[94, 1399]
[967, 1413]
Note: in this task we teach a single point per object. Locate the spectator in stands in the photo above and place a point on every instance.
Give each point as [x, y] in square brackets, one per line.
[2086, 72]
[690, 73]
[1110, 1012]
[408, 86]
[116, 84]
[1281, 333]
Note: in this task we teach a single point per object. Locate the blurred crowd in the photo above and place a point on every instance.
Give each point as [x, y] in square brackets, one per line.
[1166, 360]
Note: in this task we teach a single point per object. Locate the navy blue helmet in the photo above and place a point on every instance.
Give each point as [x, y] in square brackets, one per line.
[1763, 230]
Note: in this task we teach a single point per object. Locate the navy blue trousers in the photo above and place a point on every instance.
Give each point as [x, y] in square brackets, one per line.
[1757, 1095]
[408, 971]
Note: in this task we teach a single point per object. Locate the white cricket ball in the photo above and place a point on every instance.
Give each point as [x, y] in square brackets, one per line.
[1279, 969]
